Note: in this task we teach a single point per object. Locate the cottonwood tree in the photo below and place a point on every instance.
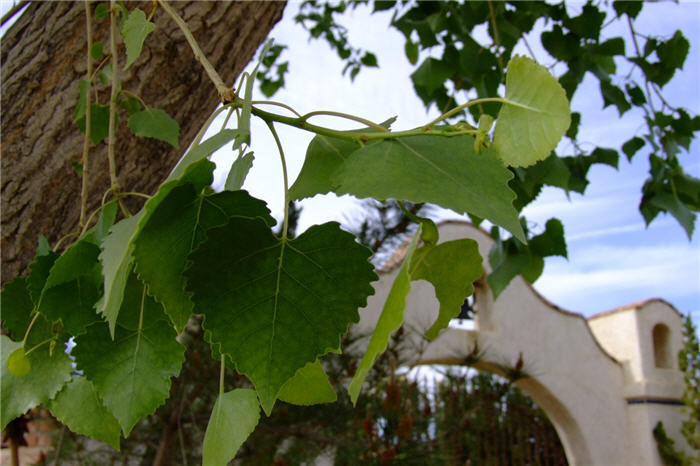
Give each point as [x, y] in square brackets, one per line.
[43, 59]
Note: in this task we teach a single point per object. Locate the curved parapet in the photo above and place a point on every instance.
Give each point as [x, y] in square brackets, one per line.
[581, 375]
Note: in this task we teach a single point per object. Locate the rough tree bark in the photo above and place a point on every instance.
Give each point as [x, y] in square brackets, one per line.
[42, 61]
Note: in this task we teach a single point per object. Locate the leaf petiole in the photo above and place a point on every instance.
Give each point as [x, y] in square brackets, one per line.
[38, 345]
[29, 327]
[285, 226]
[364, 121]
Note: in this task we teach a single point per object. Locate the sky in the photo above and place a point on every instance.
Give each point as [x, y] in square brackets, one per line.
[613, 258]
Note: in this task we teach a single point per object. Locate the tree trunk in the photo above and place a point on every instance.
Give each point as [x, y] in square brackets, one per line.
[43, 59]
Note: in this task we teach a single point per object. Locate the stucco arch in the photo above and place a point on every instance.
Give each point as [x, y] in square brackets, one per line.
[602, 399]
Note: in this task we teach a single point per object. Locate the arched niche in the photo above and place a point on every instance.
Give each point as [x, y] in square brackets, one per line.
[661, 342]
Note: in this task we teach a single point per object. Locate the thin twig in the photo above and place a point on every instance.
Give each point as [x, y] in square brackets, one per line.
[86, 141]
[59, 445]
[113, 99]
[495, 35]
[225, 92]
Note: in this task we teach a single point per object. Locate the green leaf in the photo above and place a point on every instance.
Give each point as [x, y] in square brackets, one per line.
[17, 307]
[117, 262]
[18, 312]
[17, 363]
[175, 227]
[155, 123]
[551, 242]
[535, 116]
[452, 268]
[131, 105]
[239, 171]
[411, 50]
[101, 11]
[201, 151]
[614, 46]
[309, 386]
[440, 170]
[39, 271]
[588, 24]
[106, 220]
[559, 45]
[79, 407]
[233, 419]
[636, 95]
[605, 156]
[96, 51]
[274, 304]
[134, 28]
[48, 374]
[505, 271]
[99, 115]
[323, 157]
[105, 75]
[390, 319]
[673, 52]
[369, 59]
[132, 371]
[667, 202]
[73, 287]
[629, 7]
[613, 95]
[431, 74]
[632, 146]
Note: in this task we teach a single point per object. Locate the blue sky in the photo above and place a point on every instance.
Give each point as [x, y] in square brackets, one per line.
[613, 258]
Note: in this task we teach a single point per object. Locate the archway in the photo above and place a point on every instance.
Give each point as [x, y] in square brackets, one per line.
[593, 391]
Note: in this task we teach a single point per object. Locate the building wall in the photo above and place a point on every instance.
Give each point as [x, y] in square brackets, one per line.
[597, 380]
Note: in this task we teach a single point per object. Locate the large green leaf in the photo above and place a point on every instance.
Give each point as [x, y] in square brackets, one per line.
[49, 372]
[274, 305]
[323, 157]
[134, 28]
[535, 116]
[132, 371]
[73, 287]
[155, 123]
[390, 319]
[80, 408]
[309, 386]
[117, 249]
[235, 415]
[451, 267]
[440, 170]
[175, 227]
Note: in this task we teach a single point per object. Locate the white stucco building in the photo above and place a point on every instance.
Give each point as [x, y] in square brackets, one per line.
[604, 381]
